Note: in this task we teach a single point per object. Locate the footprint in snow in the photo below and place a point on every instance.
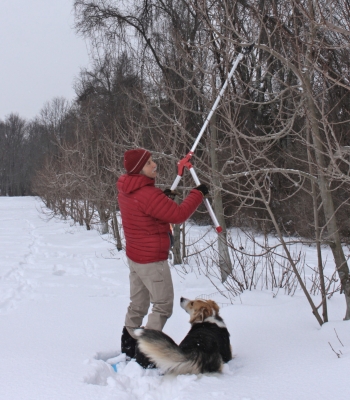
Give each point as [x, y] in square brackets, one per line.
[58, 271]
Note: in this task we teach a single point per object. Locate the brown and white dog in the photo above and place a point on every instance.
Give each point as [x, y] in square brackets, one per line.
[205, 348]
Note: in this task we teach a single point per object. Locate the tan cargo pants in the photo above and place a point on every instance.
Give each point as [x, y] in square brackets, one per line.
[149, 283]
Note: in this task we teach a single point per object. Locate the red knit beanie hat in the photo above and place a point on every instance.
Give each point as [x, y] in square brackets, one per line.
[135, 160]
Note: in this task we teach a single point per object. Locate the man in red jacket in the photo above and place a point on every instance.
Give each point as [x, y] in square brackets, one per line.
[146, 216]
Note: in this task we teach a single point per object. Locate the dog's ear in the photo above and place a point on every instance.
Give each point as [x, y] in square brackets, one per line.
[214, 306]
[204, 313]
[200, 315]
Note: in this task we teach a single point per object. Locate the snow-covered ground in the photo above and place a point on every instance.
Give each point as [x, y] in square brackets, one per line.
[63, 297]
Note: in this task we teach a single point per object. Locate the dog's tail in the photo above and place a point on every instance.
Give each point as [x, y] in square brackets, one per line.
[165, 353]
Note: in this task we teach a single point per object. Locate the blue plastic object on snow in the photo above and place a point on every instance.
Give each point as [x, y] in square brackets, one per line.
[115, 367]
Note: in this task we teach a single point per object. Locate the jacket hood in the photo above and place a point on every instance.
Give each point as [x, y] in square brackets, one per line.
[128, 183]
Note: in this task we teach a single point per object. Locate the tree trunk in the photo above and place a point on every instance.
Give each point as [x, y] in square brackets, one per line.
[318, 238]
[225, 264]
[116, 233]
[103, 225]
[177, 245]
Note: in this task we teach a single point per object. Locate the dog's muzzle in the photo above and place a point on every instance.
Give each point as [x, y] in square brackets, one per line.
[184, 302]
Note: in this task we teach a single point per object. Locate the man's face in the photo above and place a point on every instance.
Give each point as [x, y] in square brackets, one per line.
[150, 168]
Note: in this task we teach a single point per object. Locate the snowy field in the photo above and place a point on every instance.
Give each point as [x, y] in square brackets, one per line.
[63, 297]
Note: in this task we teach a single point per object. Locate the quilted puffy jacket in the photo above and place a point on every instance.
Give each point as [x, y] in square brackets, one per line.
[146, 214]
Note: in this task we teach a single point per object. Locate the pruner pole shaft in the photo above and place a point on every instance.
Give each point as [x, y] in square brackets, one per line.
[206, 122]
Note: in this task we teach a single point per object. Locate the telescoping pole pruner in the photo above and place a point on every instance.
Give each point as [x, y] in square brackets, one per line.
[186, 163]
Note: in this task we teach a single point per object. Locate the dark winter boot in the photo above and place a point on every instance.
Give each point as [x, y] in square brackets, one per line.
[144, 361]
[128, 344]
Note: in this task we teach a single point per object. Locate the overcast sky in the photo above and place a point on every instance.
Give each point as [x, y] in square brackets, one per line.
[40, 54]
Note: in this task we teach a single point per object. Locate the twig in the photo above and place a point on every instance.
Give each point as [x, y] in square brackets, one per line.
[338, 337]
[338, 355]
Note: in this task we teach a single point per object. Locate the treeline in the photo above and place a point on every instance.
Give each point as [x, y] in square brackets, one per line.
[276, 153]
[25, 145]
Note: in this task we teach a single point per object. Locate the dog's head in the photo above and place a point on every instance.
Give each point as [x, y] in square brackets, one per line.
[199, 310]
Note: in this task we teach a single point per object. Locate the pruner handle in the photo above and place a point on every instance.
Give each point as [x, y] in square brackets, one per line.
[185, 163]
[213, 216]
[176, 182]
[207, 204]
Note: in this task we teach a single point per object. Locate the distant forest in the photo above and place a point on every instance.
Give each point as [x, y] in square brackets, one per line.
[276, 153]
